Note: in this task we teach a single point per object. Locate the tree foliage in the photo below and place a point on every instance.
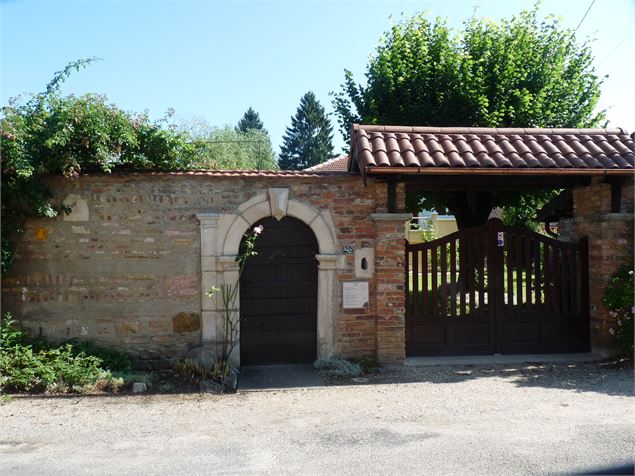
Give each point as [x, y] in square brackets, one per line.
[309, 139]
[51, 134]
[229, 148]
[519, 72]
[250, 120]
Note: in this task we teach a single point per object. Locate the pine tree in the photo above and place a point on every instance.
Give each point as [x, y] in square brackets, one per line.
[251, 120]
[309, 139]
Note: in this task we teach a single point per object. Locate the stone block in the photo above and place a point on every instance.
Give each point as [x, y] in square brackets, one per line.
[182, 284]
[127, 328]
[204, 355]
[186, 322]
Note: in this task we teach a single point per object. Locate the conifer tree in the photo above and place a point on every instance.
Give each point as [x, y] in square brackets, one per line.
[309, 139]
[251, 120]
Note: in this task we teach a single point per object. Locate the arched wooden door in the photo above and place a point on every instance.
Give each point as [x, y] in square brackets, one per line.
[278, 295]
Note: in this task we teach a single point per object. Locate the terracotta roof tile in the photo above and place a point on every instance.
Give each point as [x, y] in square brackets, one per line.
[487, 148]
[225, 173]
[337, 164]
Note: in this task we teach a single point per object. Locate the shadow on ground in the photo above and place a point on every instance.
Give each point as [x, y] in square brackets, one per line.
[611, 377]
[614, 377]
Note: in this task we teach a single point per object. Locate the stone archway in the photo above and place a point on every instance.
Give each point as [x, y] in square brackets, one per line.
[221, 235]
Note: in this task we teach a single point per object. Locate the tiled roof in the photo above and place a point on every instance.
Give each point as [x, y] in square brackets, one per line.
[378, 148]
[224, 173]
[337, 164]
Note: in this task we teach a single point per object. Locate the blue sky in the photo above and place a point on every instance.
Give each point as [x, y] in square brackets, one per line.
[214, 59]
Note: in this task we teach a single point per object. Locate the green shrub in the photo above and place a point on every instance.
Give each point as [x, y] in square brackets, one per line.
[194, 373]
[338, 367]
[619, 298]
[111, 359]
[23, 369]
[369, 365]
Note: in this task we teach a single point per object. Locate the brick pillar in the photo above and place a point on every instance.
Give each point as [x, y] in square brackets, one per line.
[610, 245]
[390, 296]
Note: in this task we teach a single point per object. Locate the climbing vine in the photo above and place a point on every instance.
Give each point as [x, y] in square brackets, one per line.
[51, 134]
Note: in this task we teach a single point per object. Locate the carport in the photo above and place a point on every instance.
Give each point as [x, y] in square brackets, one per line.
[497, 289]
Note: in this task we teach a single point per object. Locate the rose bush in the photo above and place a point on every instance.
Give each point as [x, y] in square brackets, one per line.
[619, 298]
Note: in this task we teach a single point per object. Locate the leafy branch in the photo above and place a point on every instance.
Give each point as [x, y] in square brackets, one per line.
[229, 297]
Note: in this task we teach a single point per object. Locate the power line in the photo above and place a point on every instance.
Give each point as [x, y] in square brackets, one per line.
[616, 48]
[585, 14]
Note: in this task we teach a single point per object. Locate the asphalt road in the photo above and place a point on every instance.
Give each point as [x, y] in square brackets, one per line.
[450, 420]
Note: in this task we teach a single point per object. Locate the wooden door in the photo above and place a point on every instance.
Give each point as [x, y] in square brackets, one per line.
[278, 295]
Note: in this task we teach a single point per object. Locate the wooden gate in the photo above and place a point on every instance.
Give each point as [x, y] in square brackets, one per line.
[496, 289]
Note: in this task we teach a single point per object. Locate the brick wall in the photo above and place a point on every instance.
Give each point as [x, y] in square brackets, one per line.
[390, 292]
[610, 245]
[124, 268]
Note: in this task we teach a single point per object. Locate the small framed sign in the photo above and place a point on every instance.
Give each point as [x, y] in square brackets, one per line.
[355, 294]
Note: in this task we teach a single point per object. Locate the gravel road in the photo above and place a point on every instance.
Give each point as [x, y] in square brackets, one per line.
[540, 419]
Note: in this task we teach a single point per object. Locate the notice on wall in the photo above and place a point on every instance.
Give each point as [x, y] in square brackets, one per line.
[355, 294]
[500, 238]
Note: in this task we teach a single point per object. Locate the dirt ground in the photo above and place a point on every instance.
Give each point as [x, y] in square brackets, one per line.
[496, 419]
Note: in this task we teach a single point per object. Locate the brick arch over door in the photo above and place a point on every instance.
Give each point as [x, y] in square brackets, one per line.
[228, 230]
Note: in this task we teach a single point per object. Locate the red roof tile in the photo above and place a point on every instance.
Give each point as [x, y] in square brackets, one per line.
[224, 173]
[337, 164]
[398, 147]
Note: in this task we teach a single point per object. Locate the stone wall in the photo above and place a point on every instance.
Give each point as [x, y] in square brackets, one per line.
[124, 268]
[610, 245]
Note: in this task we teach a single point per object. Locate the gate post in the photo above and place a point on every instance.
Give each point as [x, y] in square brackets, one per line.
[610, 245]
[389, 284]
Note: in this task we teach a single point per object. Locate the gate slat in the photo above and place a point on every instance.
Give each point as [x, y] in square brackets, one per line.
[482, 249]
[548, 278]
[538, 281]
[463, 276]
[566, 280]
[519, 274]
[557, 281]
[415, 283]
[434, 269]
[471, 270]
[408, 280]
[453, 285]
[409, 295]
[575, 288]
[424, 281]
[509, 267]
[574, 280]
[444, 281]
[528, 270]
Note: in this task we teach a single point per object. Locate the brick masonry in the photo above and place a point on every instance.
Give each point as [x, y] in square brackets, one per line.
[610, 245]
[124, 267]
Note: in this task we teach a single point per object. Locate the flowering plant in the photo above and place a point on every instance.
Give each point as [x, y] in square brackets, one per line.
[228, 296]
[619, 298]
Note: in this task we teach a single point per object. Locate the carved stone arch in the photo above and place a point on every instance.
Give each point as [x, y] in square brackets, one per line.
[222, 248]
[260, 207]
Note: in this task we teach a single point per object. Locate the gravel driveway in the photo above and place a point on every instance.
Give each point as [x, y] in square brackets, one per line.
[433, 420]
